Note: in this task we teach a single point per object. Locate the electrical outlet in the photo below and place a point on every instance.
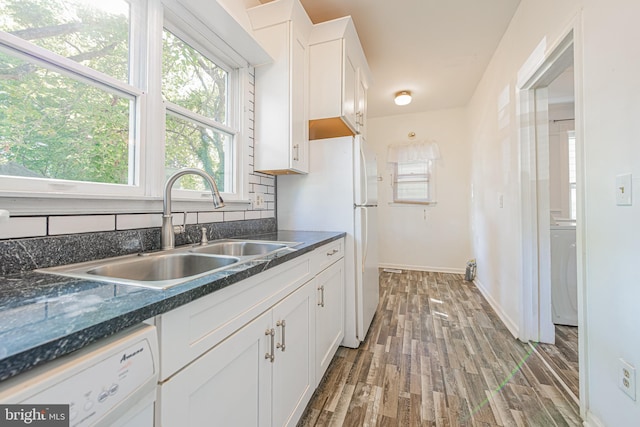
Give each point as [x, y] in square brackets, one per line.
[258, 201]
[627, 379]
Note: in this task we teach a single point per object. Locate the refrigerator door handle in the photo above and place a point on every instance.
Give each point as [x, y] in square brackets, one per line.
[364, 176]
[365, 238]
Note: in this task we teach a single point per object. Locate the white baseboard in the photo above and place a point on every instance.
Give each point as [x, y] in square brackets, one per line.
[422, 268]
[508, 322]
[592, 421]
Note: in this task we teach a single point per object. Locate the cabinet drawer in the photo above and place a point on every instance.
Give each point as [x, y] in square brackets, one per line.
[189, 331]
[326, 255]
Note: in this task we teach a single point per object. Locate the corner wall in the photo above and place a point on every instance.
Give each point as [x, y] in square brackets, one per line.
[429, 237]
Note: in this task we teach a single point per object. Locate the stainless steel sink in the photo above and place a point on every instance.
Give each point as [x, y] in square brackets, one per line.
[160, 271]
[240, 248]
[162, 267]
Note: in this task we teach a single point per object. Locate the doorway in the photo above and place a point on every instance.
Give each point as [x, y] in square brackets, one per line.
[551, 200]
[562, 355]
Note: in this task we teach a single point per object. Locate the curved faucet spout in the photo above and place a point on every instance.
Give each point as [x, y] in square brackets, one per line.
[168, 234]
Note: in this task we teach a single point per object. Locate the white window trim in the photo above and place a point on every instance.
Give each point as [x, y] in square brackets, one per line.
[65, 197]
[430, 184]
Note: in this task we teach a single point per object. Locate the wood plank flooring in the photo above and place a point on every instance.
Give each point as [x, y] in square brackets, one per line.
[437, 355]
[563, 356]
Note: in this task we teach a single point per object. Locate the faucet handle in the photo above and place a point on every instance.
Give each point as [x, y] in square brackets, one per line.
[179, 229]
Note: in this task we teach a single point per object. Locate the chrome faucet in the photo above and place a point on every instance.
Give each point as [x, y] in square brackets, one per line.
[168, 237]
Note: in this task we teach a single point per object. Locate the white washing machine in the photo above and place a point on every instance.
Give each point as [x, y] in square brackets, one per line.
[564, 283]
[108, 383]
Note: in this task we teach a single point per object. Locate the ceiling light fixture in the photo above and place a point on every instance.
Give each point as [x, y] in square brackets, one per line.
[403, 97]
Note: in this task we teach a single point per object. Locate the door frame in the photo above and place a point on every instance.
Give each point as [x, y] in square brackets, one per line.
[544, 65]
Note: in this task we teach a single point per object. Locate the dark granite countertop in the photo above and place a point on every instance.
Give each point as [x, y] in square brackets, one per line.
[45, 316]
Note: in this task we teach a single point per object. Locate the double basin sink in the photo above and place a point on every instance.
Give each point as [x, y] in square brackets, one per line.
[161, 270]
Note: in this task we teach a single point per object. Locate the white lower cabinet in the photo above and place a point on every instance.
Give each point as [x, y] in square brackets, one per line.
[293, 374]
[230, 385]
[253, 353]
[260, 376]
[329, 315]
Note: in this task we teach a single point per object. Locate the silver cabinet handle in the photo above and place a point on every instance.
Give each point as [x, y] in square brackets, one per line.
[282, 324]
[296, 156]
[271, 356]
[333, 252]
[321, 289]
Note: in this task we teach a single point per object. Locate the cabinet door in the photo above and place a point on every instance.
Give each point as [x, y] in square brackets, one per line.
[293, 373]
[329, 315]
[228, 386]
[299, 103]
[350, 90]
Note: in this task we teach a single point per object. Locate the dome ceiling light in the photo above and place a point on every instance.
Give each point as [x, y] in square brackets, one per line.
[403, 97]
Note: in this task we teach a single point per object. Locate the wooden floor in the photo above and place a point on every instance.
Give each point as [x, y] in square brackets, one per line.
[437, 355]
[563, 356]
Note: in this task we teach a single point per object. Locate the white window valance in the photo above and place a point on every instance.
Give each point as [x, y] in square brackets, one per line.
[413, 151]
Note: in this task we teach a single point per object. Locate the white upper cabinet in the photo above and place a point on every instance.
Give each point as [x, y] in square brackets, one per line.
[339, 77]
[281, 146]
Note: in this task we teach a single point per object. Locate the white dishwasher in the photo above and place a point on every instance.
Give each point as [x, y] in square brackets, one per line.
[109, 383]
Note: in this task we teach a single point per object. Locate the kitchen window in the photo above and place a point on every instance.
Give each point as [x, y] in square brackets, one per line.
[82, 115]
[196, 91]
[68, 103]
[412, 182]
[413, 168]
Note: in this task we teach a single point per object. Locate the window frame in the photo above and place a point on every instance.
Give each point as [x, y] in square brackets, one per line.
[571, 154]
[428, 178]
[148, 18]
[232, 125]
[10, 185]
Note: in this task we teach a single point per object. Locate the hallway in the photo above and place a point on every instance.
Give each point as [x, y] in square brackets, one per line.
[438, 355]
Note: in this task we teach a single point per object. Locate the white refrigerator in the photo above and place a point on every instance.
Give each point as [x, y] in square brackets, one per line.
[340, 194]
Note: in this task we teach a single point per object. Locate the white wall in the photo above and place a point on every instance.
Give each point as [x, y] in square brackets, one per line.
[606, 33]
[434, 238]
[495, 172]
[612, 144]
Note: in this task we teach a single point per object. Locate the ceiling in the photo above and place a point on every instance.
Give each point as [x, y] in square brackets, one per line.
[436, 49]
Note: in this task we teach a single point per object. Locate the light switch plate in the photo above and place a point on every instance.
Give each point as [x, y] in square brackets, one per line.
[623, 190]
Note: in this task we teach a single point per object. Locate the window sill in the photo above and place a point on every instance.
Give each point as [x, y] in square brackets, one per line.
[409, 204]
[21, 204]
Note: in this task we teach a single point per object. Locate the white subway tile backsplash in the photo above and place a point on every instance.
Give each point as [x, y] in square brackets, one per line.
[268, 214]
[234, 216]
[23, 227]
[81, 224]
[252, 215]
[254, 179]
[178, 217]
[131, 221]
[204, 217]
[267, 180]
[259, 188]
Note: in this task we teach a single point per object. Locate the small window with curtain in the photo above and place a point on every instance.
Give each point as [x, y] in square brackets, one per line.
[413, 172]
